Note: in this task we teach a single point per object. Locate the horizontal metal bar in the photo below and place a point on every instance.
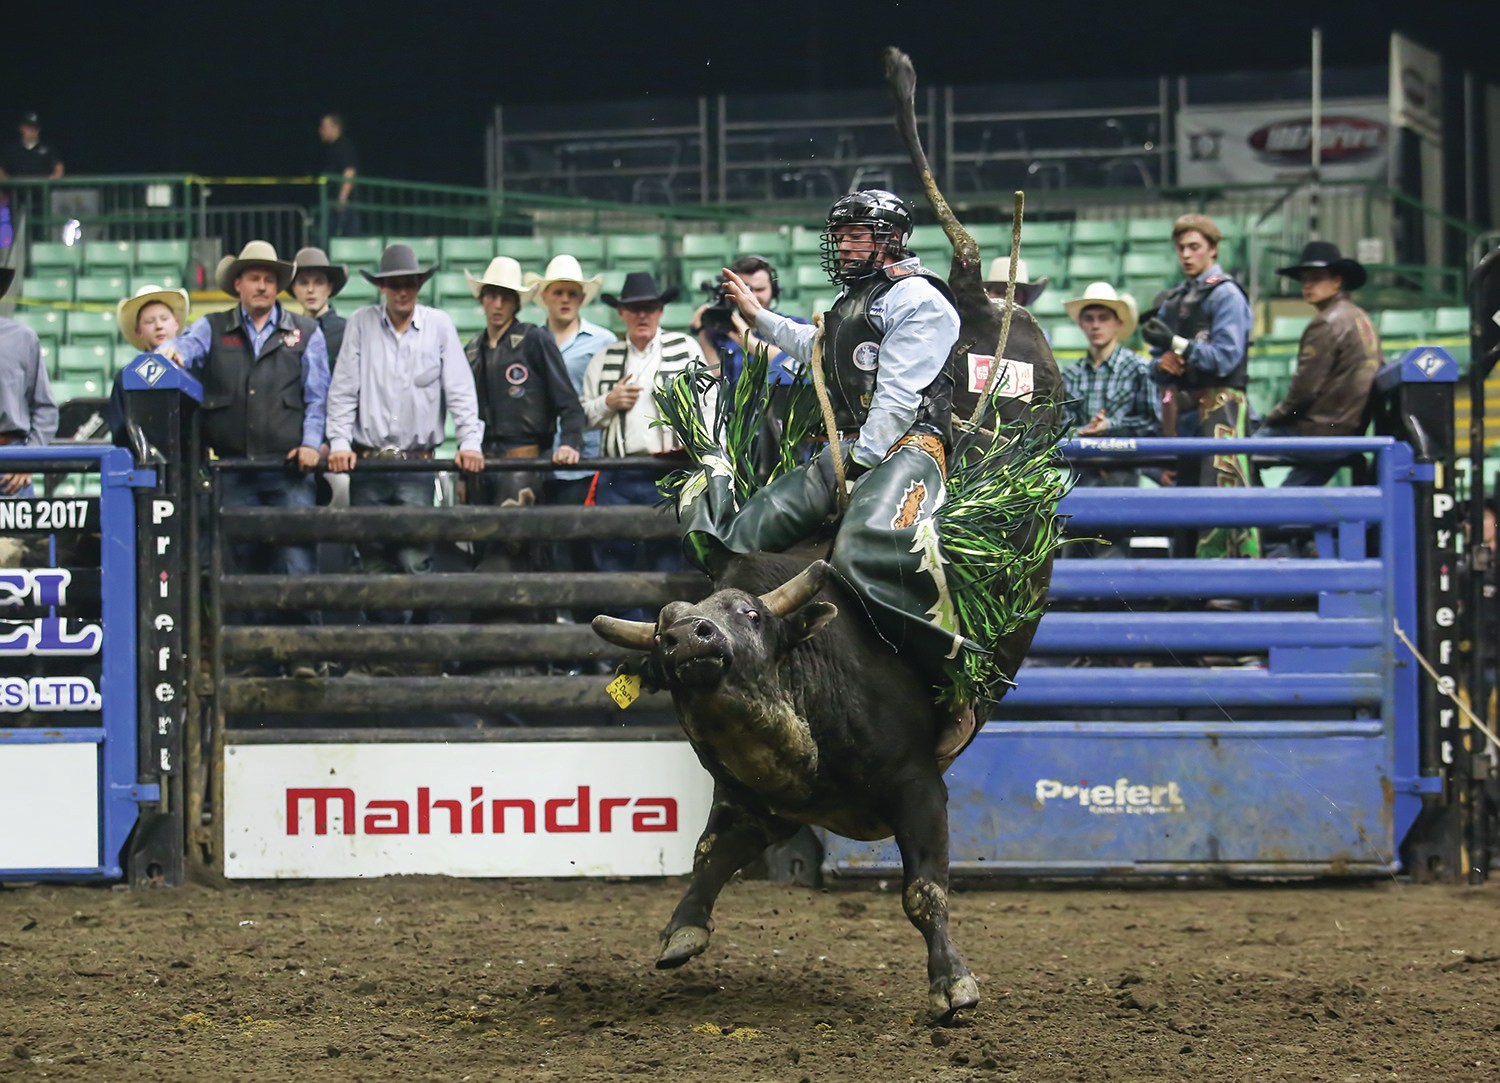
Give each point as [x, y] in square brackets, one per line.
[447, 466]
[1131, 633]
[1038, 686]
[422, 525]
[1208, 506]
[476, 590]
[1259, 729]
[1230, 578]
[49, 735]
[459, 642]
[454, 735]
[1060, 114]
[1126, 446]
[385, 695]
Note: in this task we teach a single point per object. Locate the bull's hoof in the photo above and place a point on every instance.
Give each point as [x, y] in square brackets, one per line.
[686, 942]
[951, 996]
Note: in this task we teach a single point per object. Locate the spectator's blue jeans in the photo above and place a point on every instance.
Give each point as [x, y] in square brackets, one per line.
[269, 489]
[390, 490]
[1306, 471]
[617, 487]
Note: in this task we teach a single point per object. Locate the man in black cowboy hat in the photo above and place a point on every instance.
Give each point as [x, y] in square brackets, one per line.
[1336, 360]
[27, 413]
[315, 285]
[617, 398]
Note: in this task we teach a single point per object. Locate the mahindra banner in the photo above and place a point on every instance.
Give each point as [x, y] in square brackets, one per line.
[565, 808]
[1244, 144]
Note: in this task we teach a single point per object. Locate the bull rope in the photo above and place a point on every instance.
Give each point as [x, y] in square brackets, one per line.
[820, 385]
[1010, 306]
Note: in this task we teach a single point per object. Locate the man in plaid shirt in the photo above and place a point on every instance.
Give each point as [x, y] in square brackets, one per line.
[1109, 392]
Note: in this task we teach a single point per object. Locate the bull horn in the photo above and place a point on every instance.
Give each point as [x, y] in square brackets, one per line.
[798, 590]
[635, 635]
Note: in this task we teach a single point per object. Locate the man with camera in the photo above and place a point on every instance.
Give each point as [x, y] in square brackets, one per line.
[722, 331]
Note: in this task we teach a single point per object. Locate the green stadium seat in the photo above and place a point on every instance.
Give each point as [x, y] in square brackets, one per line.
[358, 291]
[124, 354]
[1146, 234]
[1286, 331]
[1048, 307]
[452, 285]
[1044, 235]
[635, 252]
[707, 247]
[1404, 323]
[161, 278]
[585, 248]
[80, 362]
[47, 348]
[533, 314]
[50, 324]
[101, 289]
[50, 257]
[468, 319]
[1093, 267]
[1097, 235]
[1450, 322]
[93, 328]
[161, 257]
[68, 390]
[108, 257]
[678, 315]
[774, 244]
[810, 277]
[1160, 265]
[1068, 340]
[807, 242]
[532, 253]
[426, 248]
[603, 315]
[695, 274]
[993, 238]
[476, 252]
[928, 239]
[821, 302]
[47, 288]
[613, 282]
[360, 253]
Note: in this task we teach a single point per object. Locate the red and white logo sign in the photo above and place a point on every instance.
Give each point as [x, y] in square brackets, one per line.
[1344, 139]
[553, 809]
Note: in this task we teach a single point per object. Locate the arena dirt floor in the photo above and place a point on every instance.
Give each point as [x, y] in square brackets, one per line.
[552, 981]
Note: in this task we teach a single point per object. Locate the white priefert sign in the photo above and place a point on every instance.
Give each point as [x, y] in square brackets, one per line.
[49, 804]
[594, 808]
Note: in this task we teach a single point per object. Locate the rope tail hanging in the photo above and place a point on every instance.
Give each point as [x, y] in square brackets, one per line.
[835, 449]
[1010, 306]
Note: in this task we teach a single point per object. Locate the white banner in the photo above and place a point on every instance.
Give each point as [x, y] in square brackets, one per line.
[564, 808]
[49, 804]
[1416, 89]
[1246, 144]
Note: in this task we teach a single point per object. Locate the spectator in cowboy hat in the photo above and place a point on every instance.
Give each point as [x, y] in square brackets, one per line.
[400, 367]
[314, 285]
[27, 413]
[1337, 359]
[617, 397]
[998, 282]
[147, 318]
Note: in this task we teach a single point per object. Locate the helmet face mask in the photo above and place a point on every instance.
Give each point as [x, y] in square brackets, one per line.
[874, 214]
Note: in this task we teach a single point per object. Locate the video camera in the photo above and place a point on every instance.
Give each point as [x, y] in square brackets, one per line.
[719, 315]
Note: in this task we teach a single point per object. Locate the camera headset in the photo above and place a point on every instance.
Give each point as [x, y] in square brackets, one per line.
[760, 264]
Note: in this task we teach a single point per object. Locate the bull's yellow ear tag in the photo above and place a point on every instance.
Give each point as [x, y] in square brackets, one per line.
[624, 689]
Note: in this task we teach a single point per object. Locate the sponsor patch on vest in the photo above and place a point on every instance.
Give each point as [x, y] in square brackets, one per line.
[867, 356]
[517, 339]
[515, 392]
[292, 339]
[517, 374]
[232, 340]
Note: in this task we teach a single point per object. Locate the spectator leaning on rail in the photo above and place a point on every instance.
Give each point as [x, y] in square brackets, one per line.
[339, 160]
[617, 397]
[28, 156]
[400, 366]
[264, 371]
[1336, 361]
[1109, 392]
[149, 317]
[27, 413]
[1200, 338]
[315, 285]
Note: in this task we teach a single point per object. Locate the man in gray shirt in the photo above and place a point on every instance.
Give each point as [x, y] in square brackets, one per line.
[399, 364]
[27, 413]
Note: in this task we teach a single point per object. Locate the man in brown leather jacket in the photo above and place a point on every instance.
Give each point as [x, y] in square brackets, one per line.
[1336, 361]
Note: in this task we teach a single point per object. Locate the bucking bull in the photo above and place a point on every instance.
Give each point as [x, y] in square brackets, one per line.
[798, 708]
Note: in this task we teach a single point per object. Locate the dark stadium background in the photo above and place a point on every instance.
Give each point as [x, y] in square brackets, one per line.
[237, 88]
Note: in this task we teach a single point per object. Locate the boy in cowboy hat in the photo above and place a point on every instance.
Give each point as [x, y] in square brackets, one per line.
[149, 317]
[316, 283]
[27, 413]
[1336, 360]
[617, 397]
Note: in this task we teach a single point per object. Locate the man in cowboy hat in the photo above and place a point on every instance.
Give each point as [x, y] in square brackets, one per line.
[617, 397]
[28, 415]
[1200, 338]
[1336, 360]
[265, 389]
[1109, 392]
[525, 395]
[147, 318]
[998, 283]
[315, 284]
[401, 364]
[563, 291]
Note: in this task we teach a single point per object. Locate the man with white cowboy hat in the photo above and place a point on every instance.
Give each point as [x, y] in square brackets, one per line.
[147, 318]
[400, 366]
[27, 413]
[264, 370]
[316, 283]
[563, 291]
[1108, 392]
[998, 282]
[525, 395]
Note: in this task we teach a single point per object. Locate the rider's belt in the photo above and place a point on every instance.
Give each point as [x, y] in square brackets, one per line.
[924, 441]
[391, 452]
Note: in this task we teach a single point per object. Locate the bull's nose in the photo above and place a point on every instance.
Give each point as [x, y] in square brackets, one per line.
[700, 631]
[703, 630]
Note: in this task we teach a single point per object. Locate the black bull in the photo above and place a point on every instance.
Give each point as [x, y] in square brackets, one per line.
[802, 718]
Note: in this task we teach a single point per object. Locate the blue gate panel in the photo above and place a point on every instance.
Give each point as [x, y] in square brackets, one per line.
[1038, 686]
[1302, 797]
[1230, 578]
